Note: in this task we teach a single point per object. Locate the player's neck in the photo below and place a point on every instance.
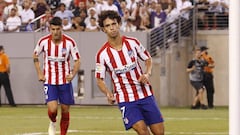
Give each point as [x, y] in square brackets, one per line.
[116, 43]
[57, 41]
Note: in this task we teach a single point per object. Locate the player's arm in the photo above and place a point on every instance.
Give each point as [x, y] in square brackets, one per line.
[144, 78]
[41, 76]
[76, 67]
[103, 87]
[190, 67]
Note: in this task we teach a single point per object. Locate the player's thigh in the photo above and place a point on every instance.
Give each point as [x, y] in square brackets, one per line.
[151, 111]
[131, 114]
[51, 93]
[157, 129]
[141, 128]
[52, 105]
[66, 94]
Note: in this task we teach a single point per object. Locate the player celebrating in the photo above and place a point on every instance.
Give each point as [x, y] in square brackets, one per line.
[119, 56]
[57, 49]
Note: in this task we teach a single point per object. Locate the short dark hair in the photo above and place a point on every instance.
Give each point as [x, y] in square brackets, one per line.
[1, 47]
[56, 21]
[108, 14]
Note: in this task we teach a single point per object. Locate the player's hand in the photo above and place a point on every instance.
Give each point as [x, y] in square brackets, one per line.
[69, 77]
[111, 99]
[144, 78]
[41, 78]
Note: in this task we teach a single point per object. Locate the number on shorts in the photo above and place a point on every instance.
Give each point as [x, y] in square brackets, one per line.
[46, 91]
[122, 111]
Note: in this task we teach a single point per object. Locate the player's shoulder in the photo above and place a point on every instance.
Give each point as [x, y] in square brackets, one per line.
[131, 39]
[102, 50]
[44, 38]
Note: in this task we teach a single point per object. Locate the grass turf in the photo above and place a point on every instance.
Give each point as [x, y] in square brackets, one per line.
[106, 120]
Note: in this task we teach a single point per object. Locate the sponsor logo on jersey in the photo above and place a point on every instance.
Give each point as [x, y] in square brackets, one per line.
[56, 59]
[125, 68]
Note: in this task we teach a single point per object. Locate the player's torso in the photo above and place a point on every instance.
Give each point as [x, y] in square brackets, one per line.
[56, 61]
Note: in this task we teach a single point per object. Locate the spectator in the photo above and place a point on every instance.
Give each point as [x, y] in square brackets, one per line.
[135, 15]
[129, 26]
[4, 76]
[83, 14]
[195, 70]
[53, 4]
[186, 22]
[131, 5]
[208, 76]
[222, 18]
[211, 16]
[145, 23]
[64, 13]
[165, 5]
[91, 13]
[81, 6]
[27, 15]
[202, 7]
[172, 17]
[1, 24]
[45, 21]
[15, 5]
[92, 26]
[109, 6]
[66, 25]
[98, 6]
[123, 5]
[13, 22]
[78, 24]
[68, 3]
[41, 7]
[157, 17]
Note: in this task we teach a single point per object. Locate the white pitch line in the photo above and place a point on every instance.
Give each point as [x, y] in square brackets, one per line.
[128, 132]
[114, 118]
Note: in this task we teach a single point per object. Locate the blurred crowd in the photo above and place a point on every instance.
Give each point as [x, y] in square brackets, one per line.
[82, 15]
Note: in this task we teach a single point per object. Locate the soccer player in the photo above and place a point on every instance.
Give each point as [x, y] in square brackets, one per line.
[132, 90]
[57, 48]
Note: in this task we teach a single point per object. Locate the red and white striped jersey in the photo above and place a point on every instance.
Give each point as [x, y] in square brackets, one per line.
[56, 63]
[124, 69]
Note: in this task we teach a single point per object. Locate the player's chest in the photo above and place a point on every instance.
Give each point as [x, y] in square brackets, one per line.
[122, 61]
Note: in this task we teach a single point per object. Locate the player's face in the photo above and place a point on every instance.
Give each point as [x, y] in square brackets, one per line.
[56, 32]
[111, 27]
[198, 53]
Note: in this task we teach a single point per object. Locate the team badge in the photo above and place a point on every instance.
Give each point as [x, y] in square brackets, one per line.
[126, 121]
[130, 53]
[64, 51]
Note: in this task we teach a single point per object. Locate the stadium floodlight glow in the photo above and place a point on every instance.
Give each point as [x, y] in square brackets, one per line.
[234, 67]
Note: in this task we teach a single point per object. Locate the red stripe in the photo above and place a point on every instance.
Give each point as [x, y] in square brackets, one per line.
[49, 63]
[123, 60]
[126, 98]
[130, 80]
[43, 38]
[137, 74]
[56, 64]
[63, 63]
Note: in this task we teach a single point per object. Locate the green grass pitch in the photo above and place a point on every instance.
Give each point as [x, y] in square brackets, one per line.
[106, 120]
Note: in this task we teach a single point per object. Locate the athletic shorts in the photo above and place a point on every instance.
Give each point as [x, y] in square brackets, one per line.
[197, 85]
[144, 109]
[62, 93]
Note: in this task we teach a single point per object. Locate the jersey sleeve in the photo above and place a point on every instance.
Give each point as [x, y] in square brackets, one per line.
[142, 52]
[75, 52]
[190, 64]
[38, 49]
[100, 68]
